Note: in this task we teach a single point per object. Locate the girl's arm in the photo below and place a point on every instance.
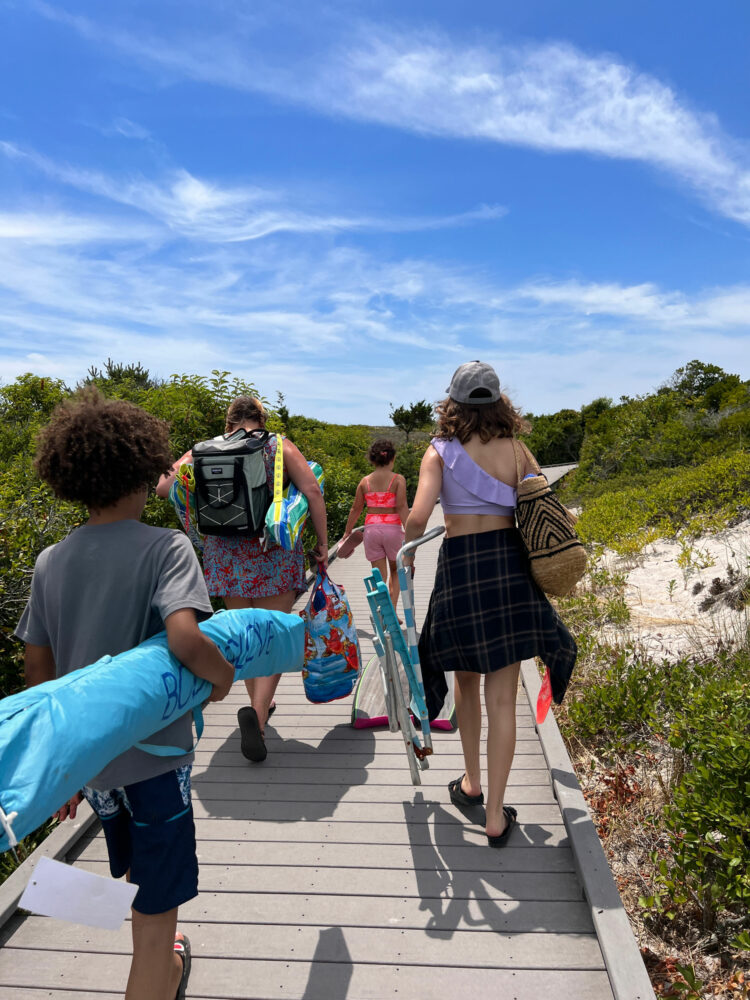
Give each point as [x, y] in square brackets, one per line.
[428, 491]
[303, 477]
[165, 482]
[357, 507]
[402, 507]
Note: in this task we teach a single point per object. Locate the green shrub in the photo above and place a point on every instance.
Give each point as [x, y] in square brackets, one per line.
[618, 703]
[694, 498]
[707, 821]
[31, 518]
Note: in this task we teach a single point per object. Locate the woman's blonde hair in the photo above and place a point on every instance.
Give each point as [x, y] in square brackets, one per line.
[490, 420]
[244, 409]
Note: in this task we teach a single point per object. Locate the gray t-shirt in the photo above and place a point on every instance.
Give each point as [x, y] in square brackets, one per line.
[102, 590]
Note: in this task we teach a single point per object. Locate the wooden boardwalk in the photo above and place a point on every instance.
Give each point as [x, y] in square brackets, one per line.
[325, 874]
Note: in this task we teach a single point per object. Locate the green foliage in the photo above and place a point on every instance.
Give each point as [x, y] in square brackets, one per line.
[25, 405]
[700, 413]
[31, 518]
[414, 417]
[8, 863]
[696, 378]
[282, 412]
[195, 406]
[557, 438]
[693, 498]
[408, 460]
[708, 819]
[699, 709]
[342, 453]
[120, 380]
[620, 700]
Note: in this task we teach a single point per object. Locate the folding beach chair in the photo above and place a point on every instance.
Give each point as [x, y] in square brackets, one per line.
[391, 646]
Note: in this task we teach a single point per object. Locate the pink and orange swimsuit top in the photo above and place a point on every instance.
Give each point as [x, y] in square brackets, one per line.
[386, 498]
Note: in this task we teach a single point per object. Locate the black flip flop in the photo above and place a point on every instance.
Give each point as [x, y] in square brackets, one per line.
[182, 948]
[271, 709]
[459, 796]
[252, 744]
[502, 838]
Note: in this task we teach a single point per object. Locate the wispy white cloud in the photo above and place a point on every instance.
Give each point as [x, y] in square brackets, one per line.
[58, 228]
[341, 332]
[220, 213]
[550, 97]
[130, 130]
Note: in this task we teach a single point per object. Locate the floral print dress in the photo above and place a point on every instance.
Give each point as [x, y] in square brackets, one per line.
[239, 567]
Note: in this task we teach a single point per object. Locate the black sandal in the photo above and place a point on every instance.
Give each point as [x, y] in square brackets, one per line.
[252, 744]
[182, 948]
[459, 796]
[502, 838]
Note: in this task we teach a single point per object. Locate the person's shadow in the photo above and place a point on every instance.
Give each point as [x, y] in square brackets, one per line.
[331, 968]
[453, 896]
[287, 790]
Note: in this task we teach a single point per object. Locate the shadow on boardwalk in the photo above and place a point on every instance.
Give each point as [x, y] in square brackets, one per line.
[326, 788]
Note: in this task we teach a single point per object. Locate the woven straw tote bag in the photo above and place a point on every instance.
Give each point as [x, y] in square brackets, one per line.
[557, 557]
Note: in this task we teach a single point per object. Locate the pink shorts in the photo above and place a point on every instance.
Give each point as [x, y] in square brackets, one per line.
[382, 541]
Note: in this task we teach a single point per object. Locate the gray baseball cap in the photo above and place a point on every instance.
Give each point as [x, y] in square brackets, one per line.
[475, 383]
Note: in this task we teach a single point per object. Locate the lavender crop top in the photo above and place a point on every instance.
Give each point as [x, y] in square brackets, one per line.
[467, 488]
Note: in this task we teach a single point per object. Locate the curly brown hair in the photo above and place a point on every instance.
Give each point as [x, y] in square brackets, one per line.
[490, 420]
[96, 451]
[244, 409]
[381, 452]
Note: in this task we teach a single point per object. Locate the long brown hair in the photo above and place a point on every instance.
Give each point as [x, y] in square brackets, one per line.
[243, 410]
[490, 420]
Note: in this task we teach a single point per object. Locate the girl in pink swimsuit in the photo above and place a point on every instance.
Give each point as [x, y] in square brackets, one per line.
[382, 495]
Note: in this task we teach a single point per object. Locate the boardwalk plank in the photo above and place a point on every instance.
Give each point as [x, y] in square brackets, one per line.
[296, 909]
[394, 944]
[438, 774]
[266, 789]
[282, 811]
[371, 834]
[418, 885]
[338, 855]
[238, 979]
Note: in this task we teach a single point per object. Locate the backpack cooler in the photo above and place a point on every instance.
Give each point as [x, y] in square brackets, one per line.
[231, 491]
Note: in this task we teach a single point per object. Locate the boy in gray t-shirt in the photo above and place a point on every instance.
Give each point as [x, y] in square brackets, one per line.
[109, 585]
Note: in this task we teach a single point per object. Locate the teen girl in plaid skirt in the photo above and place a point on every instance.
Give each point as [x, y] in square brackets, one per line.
[486, 614]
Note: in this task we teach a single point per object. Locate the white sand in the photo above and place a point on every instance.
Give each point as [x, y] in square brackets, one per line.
[670, 623]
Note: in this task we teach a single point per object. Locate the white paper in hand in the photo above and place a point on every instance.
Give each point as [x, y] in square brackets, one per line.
[80, 897]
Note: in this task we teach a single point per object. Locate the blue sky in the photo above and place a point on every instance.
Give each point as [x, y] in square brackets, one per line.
[345, 201]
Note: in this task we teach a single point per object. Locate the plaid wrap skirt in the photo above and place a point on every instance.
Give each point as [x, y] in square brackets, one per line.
[487, 612]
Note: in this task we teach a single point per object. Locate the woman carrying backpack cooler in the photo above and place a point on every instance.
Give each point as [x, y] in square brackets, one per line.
[246, 575]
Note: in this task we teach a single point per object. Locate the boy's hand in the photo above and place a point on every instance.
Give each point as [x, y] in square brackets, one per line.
[198, 653]
[69, 810]
[221, 689]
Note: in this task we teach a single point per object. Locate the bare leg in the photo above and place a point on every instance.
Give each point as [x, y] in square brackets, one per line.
[264, 688]
[469, 716]
[500, 691]
[381, 565]
[156, 970]
[231, 603]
